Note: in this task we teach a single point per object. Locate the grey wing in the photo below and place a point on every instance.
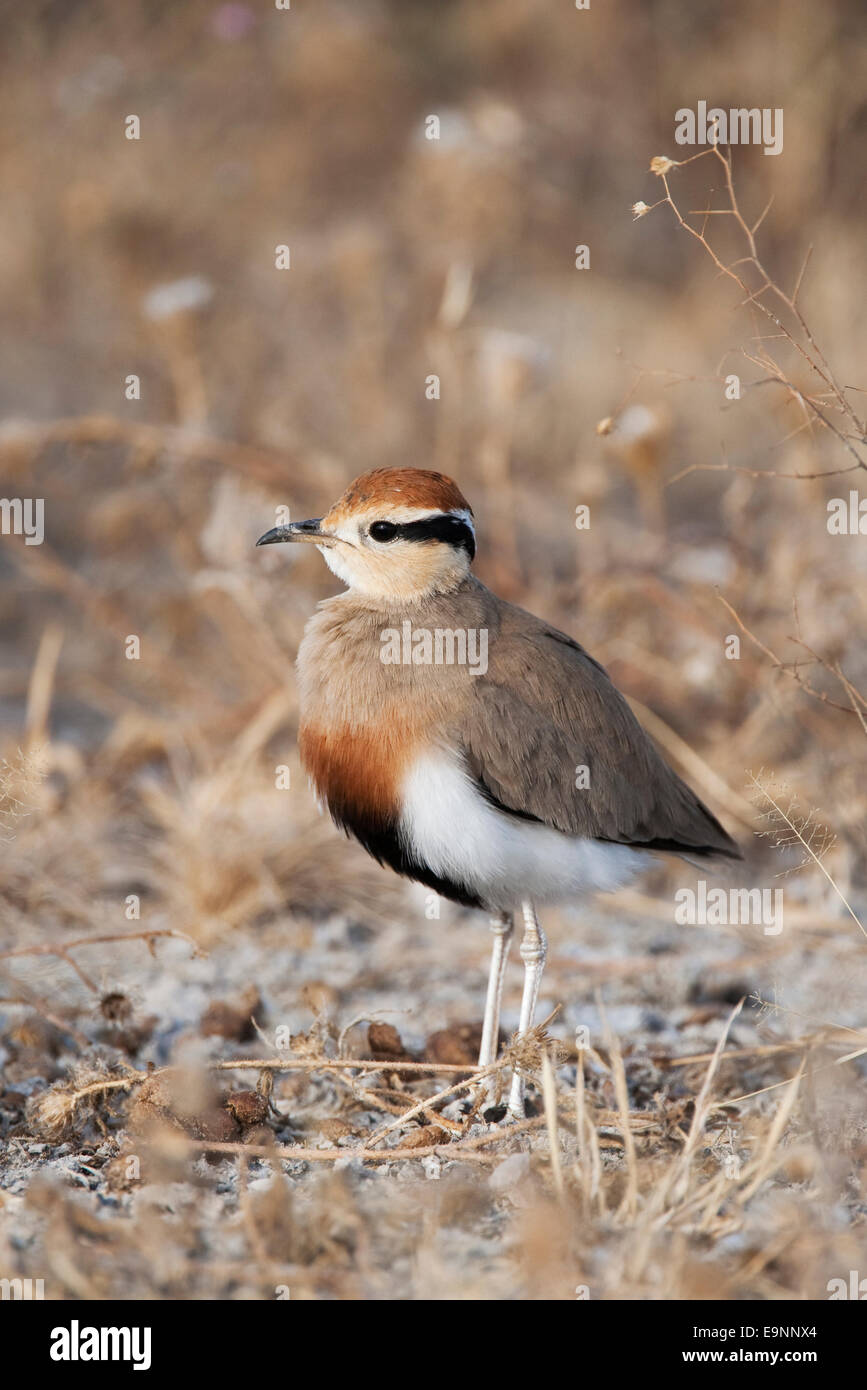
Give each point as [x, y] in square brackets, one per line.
[543, 712]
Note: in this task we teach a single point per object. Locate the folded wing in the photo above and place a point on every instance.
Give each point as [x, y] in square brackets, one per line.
[543, 713]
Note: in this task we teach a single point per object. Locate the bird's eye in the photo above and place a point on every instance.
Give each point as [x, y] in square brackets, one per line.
[383, 531]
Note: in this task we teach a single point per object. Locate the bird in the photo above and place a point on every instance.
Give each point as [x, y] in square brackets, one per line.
[467, 744]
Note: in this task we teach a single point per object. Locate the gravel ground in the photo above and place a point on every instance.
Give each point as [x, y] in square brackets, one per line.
[427, 1227]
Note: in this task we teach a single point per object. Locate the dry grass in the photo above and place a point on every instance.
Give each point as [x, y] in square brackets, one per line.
[172, 921]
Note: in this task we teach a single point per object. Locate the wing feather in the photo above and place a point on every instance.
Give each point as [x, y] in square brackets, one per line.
[545, 709]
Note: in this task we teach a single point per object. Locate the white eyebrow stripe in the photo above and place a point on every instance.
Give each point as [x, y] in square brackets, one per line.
[431, 515]
[403, 516]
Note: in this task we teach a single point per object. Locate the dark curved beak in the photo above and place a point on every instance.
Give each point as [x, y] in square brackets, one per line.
[295, 531]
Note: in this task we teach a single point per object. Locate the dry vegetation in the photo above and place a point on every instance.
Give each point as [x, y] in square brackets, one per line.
[236, 1056]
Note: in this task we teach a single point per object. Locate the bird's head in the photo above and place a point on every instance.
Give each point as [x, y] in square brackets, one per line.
[395, 533]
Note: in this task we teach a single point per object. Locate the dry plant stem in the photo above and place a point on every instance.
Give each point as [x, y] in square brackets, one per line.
[803, 343]
[630, 1197]
[791, 669]
[775, 1133]
[823, 1029]
[549, 1094]
[777, 1085]
[676, 378]
[393, 1102]
[40, 689]
[466, 1148]
[434, 1100]
[822, 366]
[859, 704]
[62, 951]
[757, 472]
[674, 1184]
[623, 1120]
[100, 1087]
[135, 1078]
[809, 849]
[29, 1001]
[580, 1111]
[341, 1063]
[767, 1050]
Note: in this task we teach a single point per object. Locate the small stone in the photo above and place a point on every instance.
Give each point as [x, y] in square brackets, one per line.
[458, 1045]
[385, 1043]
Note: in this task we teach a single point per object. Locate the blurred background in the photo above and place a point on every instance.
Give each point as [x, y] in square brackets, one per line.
[410, 259]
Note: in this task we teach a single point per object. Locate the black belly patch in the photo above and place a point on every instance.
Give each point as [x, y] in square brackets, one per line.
[384, 844]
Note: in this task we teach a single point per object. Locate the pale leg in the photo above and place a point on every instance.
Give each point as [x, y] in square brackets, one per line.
[502, 927]
[534, 949]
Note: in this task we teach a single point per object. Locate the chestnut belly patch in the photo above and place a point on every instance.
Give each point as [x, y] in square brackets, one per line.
[357, 773]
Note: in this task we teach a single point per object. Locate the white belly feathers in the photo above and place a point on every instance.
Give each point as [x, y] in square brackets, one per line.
[447, 824]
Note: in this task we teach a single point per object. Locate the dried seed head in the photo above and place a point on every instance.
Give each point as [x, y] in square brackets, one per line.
[115, 1007]
[660, 164]
[639, 210]
[52, 1114]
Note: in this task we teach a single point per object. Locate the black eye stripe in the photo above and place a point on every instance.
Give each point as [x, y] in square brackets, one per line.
[451, 529]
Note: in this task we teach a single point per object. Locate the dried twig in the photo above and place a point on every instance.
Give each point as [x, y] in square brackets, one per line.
[791, 668]
[798, 336]
[62, 950]
[800, 836]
